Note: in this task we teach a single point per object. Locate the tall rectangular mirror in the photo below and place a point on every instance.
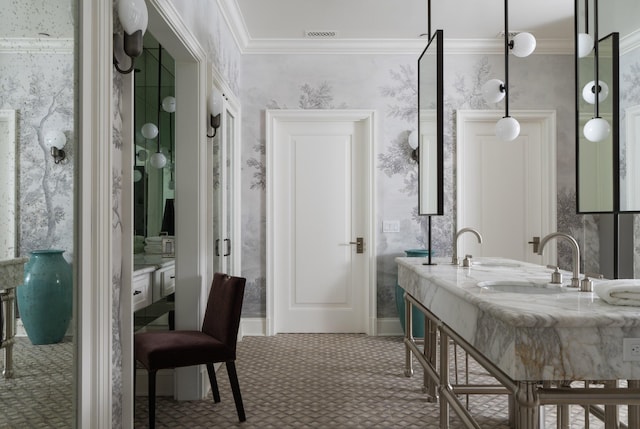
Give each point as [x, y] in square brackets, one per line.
[430, 127]
[614, 187]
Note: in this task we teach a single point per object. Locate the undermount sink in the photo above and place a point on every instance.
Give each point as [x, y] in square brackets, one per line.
[521, 287]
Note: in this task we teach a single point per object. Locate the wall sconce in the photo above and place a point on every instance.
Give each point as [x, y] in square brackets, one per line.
[412, 139]
[494, 90]
[596, 129]
[213, 104]
[134, 18]
[55, 141]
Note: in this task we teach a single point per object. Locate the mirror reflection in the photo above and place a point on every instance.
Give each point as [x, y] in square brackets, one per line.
[621, 178]
[154, 125]
[430, 127]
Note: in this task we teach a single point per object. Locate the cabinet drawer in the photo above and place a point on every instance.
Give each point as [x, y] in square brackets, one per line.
[168, 282]
[141, 290]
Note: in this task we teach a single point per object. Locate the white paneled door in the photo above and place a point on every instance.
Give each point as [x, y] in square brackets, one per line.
[506, 190]
[320, 207]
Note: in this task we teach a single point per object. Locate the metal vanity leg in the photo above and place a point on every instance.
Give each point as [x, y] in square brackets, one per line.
[611, 418]
[563, 410]
[8, 300]
[430, 354]
[634, 410]
[444, 380]
[408, 335]
[527, 405]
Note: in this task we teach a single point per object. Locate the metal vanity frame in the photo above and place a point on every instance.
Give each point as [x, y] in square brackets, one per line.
[525, 397]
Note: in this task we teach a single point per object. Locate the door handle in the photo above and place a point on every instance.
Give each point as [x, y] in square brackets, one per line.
[218, 247]
[228, 241]
[536, 244]
[359, 244]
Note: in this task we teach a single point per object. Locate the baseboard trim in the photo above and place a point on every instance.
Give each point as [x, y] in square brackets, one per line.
[257, 326]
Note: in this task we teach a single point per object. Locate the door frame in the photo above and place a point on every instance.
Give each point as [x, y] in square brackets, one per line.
[273, 118]
[548, 173]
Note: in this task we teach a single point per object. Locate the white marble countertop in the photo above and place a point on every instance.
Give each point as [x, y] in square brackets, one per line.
[569, 335]
[143, 262]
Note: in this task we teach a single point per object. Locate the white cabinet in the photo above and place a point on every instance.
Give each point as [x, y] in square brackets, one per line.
[164, 282]
[141, 290]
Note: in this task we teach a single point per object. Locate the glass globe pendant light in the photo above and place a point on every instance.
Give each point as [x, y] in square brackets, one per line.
[158, 159]
[596, 129]
[495, 90]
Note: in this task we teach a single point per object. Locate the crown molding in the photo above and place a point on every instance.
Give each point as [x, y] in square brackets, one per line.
[233, 17]
[630, 42]
[247, 45]
[395, 46]
[33, 45]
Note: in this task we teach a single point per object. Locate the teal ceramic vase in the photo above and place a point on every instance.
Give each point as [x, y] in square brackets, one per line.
[45, 298]
[417, 318]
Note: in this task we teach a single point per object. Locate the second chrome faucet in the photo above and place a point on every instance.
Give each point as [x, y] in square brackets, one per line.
[575, 253]
[454, 258]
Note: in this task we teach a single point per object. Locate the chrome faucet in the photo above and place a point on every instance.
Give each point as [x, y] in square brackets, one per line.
[454, 258]
[575, 251]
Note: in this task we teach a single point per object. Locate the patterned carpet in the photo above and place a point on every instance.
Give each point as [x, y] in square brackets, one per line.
[40, 393]
[287, 381]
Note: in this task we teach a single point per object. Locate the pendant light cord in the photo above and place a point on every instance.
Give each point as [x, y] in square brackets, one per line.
[596, 55]
[159, 82]
[506, 58]
[429, 19]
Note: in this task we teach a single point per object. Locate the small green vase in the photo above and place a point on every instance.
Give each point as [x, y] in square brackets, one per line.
[45, 298]
[417, 318]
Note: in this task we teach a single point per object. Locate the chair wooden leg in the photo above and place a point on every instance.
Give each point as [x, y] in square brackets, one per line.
[152, 399]
[214, 382]
[235, 388]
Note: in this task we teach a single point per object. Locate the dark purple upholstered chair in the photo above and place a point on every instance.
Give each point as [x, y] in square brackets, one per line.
[215, 343]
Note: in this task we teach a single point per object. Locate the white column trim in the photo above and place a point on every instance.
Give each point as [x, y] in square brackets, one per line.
[93, 268]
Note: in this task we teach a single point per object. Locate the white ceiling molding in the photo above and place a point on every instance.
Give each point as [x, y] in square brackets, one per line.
[630, 42]
[35, 45]
[247, 45]
[233, 17]
[395, 46]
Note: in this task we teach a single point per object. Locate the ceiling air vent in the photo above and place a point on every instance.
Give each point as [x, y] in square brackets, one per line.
[324, 34]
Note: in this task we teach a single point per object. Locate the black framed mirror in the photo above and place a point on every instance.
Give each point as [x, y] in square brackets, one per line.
[430, 127]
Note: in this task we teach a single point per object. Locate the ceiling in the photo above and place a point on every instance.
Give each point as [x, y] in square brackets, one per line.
[268, 25]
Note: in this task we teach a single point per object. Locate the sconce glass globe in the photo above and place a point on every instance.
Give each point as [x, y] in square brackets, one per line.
[507, 129]
[493, 91]
[137, 175]
[141, 155]
[169, 104]
[213, 103]
[133, 15]
[589, 92]
[596, 129]
[412, 139]
[523, 44]
[149, 131]
[55, 139]
[158, 160]
[585, 44]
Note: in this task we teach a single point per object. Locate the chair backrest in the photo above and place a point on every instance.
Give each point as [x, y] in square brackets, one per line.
[224, 307]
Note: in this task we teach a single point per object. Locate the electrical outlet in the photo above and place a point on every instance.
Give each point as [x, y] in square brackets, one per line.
[630, 349]
[390, 226]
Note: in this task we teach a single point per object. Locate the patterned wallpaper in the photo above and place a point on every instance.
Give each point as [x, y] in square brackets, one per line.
[388, 83]
[39, 86]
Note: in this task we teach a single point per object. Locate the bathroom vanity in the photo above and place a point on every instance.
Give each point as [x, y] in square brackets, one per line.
[11, 275]
[534, 337]
[154, 279]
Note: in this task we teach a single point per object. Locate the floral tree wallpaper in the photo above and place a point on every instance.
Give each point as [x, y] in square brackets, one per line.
[39, 86]
[387, 83]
